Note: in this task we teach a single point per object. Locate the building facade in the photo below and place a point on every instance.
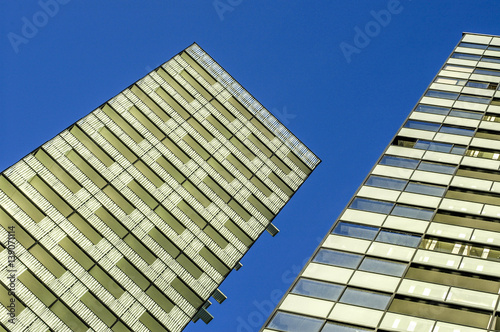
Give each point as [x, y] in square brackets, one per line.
[418, 246]
[131, 218]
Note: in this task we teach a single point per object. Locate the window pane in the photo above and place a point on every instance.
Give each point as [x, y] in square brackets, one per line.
[433, 146]
[474, 99]
[457, 131]
[382, 266]
[412, 212]
[490, 59]
[338, 258]
[465, 56]
[355, 230]
[425, 166]
[471, 45]
[425, 189]
[322, 290]
[480, 85]
[441, 94]
[487, 72]
[458, 150]
[381, 182]
[398, 238]
[432, 109]
[295, 323]
[467, 115]
[365, 298]
[449, 80]
[335, 327]
[421, 125]
[399, 162]
[371, 205]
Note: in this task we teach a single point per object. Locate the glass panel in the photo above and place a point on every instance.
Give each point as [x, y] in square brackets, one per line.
[457, 131]
[355, 230]
[490, 59]
[422, 125]
[474, 99]
[371, 205]
[381, 182]
[467, 115]
[412, 212]
[480, 85]
[471, 45]
[441, 94]
[383, 266]
[398, 162]
[449, 80]
[432, 109]
[433, 146]
[465, 56]
[425, 189]
[425, 166]
[365, 298]
[295, 323]
[487, 72]
[338, 258]
[398, 238]
[458, 150]
[322, 290]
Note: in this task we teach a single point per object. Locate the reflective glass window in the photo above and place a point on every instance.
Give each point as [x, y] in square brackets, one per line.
[355, 230]
[336, 327]
[458, 150]
[457, 131]
[480, 85]
[420, 188]
[399, 162]
[398, 238]
[322, 290]
[491, 59]
[295, 323]
[338, 258]
[433, 146]
[371, 205]
[382, 266]
[388, 183]
[450, 80]
[365, 298]
[422, 125]
[487, 72]
[432, 109]
[472, 45]
[467, 115]
[431, 167]
[441, 94]
[474, 99]
[412, 212]
[466, 56]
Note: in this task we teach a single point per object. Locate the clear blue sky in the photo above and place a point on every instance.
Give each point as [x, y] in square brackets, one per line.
[288, 54]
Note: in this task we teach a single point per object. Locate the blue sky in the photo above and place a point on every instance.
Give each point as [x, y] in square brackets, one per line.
[342, 75]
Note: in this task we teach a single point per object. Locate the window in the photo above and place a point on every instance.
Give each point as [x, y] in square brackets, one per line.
[425, 189]
[433, 146]
[429, 145]
[474, 99]
[421, 125]
[336, 327]
[465, 114]
[322, 290]
[482, 85]
[487, 72]
[464, 69]
[438, 168]
[456, 131]
[412, 212]
[466, 56]
[337, 258]
[441, 94]
[401, 239]
[472, 45]
[382, 266]
[490, 59]
[432, 109]
[388, 183]
[365, 298]
[399, 162]
[449, 80]
[371, 205]
[355, 230]
[295, 323]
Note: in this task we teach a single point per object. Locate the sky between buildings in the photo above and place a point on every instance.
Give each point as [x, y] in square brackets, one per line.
[341, 75]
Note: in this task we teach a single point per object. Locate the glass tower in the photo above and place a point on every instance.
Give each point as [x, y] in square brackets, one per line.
[418, 246]
[131, 218]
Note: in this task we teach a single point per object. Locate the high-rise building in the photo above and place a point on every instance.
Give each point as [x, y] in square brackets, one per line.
[131, 218]
[418, 246]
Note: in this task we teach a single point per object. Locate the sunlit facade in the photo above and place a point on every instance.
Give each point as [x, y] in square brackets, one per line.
[418, 246]
[130, 219]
